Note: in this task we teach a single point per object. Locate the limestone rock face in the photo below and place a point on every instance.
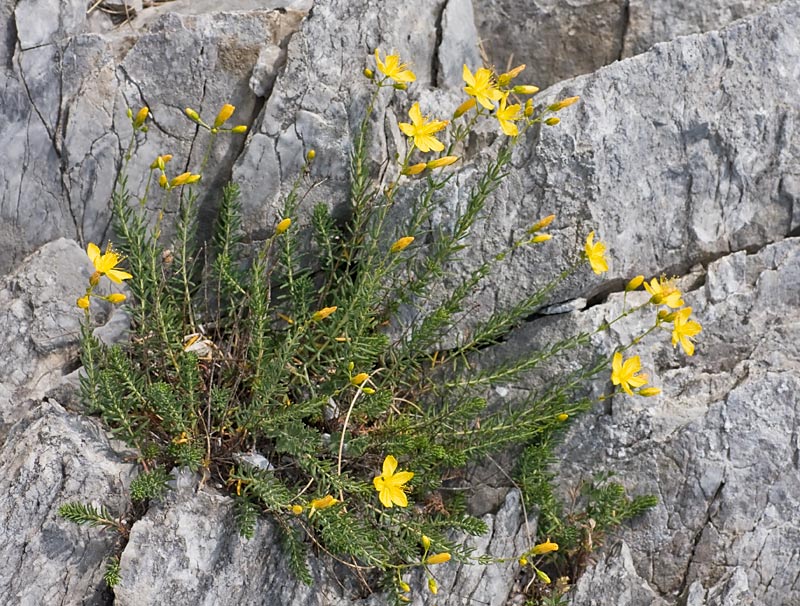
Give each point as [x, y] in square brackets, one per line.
[66, 82]
[682, 158]
[50, 458]
[561, 39]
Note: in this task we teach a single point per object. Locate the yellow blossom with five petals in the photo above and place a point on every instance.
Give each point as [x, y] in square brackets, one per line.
[683, 329]
[105, 264]
[393, 68]
[422, 130]
[481, 85]
[390, 485]
[664, 292]
[623, 373]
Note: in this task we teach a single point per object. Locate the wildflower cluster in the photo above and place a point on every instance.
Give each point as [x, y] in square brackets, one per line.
[278, 379]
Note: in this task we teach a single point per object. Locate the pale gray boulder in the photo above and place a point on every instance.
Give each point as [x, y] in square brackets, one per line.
[50, 458]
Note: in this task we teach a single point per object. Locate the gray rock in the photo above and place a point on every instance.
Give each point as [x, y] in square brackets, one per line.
[651, 22]
[559, 40]
[187, 550]
[48, 459]
[718, 447]
[65, 89]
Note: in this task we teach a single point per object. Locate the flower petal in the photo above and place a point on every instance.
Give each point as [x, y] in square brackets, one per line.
[389, 465]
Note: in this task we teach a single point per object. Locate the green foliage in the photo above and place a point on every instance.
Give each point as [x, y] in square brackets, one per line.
[111, 575]
[150, 484]
[292, 354]
[80, 513]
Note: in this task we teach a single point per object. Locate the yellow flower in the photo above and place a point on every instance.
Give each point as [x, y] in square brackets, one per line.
[506, 115]
[664, 292]
[442, 162]
[392, 68]
[224, 114]
[160, 162]
[401, 244]
[624, 373]
[438, 558]
[464, 108]
[562, 104]
[116, 297]
[391, 485]
[106, 264]
[323, 503]
[359, 378]
[683, 329]
[297, 509]
[83, 302]
[283, 226]
[481, 86]
[421, 130]
[323, 313]
[562, 417]
[545, 547]
[595, 253]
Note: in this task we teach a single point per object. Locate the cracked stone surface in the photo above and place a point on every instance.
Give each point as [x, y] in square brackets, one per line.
[65, 84]
[51, 457]
[204, 561]
[560, 39]
[719, 447]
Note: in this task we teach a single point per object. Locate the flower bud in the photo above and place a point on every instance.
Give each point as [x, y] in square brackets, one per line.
[297, 509]
[541, 224]
[523, 561]
[552, 121]
[562, 417]
[540, 238]
[441, 162]
[433, 587]
[141, 116]
[283, 226]
[414, 169]
[563, 103]
[240, 129]
[311, 155]
[359, 378]
[401, 244]
[129, 113]
[323, 313]
[368, 73]
[634, 283]
[83, 302]
[324, 502]
[507, 77]
[543, 577]
[464, 108]
[426, 542]
[192, 114]
[224, 114]
[404, 586]
[438, 558]
[649, 392]
[525, 89]
[116, 298]
[400, 86]
[162, 181]
[545, 547]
